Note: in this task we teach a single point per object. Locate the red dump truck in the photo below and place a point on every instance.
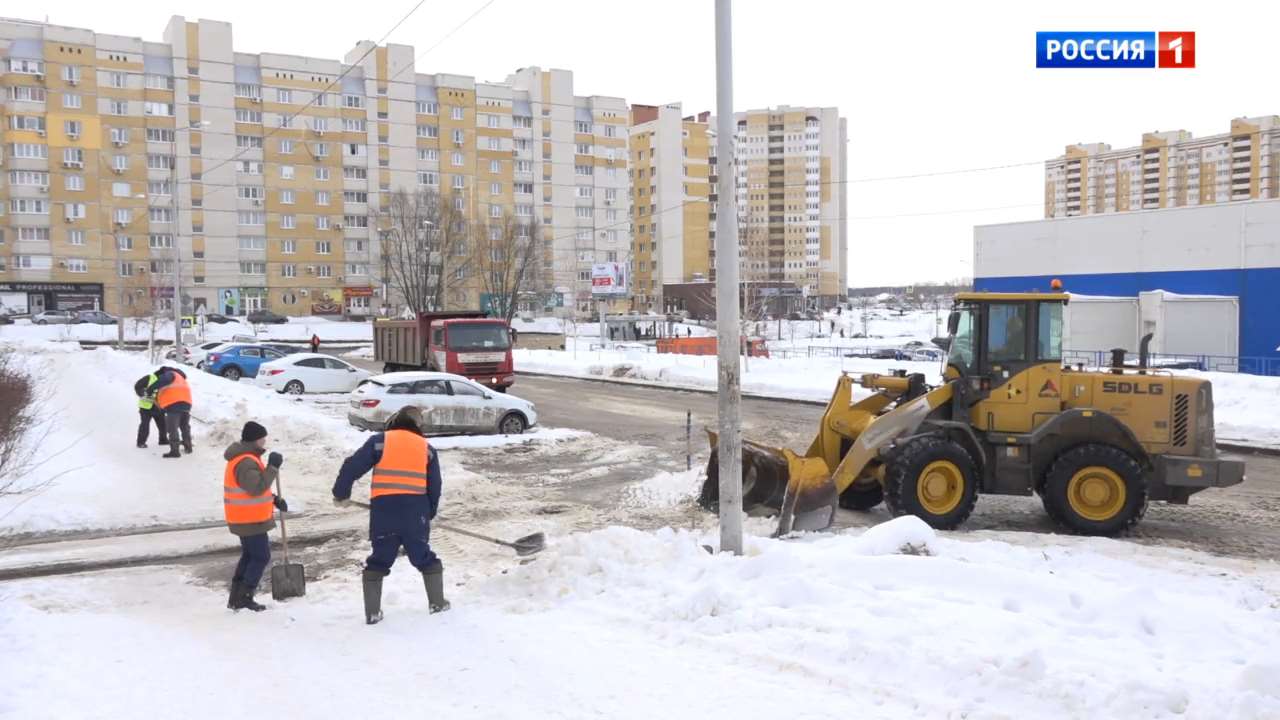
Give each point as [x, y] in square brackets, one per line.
[464, 343]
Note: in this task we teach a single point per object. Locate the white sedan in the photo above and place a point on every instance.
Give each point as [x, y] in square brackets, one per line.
[309, 372]
[450, 404]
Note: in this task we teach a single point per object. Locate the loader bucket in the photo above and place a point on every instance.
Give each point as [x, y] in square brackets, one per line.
[800, 487]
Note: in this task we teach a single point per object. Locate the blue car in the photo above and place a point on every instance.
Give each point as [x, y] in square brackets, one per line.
[239, 361]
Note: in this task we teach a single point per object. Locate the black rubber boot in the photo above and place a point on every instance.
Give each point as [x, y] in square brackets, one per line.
[173, 452]
[372, 581]
[245, 600]
[142, 444]
[186, 448]
[433, 578]
[234, 598]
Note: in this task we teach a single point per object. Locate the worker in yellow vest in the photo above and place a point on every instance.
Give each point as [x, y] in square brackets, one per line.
[247, 502]
[148, 412]
[405, 495]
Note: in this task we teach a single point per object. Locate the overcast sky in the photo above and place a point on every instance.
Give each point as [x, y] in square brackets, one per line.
[927, 86]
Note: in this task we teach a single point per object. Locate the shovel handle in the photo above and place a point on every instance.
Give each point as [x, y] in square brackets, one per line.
[453, 529]
[284, 534]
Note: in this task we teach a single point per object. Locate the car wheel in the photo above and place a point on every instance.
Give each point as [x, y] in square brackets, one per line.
[231, 373]
[42, 322]
[294, 387]
[200, 365]
[512, 424]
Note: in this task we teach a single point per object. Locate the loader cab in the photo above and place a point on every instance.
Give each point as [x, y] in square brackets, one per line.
[997, 337]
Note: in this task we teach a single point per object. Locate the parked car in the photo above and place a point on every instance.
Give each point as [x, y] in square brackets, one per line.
[310, 372]
[196, 354]
[282, 348]
[96, 317]
[5, 319]
[926, 354]
[237, 361]
[54, 317]
[450, 404]
[259, 317]
[219, 318]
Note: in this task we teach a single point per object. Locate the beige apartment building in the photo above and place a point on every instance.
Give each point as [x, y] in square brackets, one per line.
[1169, 169]
[791, 200]
[267, 171]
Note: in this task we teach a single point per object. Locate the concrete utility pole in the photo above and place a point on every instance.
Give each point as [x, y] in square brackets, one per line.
[727, 330]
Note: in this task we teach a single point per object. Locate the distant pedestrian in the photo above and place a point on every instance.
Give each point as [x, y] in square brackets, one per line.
[688, 332]
[315, 343]
[841, 333]
[173, 395]
[148, 412]
[247, 501]
[833, 326]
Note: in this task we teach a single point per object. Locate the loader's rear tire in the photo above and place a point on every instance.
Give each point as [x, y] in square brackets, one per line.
[1095, 489]
[934, 479]
[862, 498]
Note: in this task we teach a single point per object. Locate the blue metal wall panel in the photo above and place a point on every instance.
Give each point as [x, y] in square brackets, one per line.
[1257, 288]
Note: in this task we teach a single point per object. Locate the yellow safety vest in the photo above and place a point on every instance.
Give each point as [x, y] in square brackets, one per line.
[145, 402]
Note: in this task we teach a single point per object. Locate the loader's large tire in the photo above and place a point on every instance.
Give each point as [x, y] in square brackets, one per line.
[1095, 489]
[934, 479]
[862, 499]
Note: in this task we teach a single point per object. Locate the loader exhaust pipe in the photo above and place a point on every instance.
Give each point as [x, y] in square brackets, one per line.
[1143, 353]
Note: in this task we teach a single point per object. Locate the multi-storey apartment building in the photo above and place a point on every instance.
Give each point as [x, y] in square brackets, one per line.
[791, 200]
[266, 172]
[1169, 169]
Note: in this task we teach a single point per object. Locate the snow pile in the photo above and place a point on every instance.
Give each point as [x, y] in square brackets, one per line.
[620, 623]
[103, 481]
[665, 490]
[1244, 407]
[792, 378]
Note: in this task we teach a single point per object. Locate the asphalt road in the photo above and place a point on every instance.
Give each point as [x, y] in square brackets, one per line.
[640, 431]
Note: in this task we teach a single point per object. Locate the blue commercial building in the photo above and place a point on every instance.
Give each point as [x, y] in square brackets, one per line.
[1230, 249]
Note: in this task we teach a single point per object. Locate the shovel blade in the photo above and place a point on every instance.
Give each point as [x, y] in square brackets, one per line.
[288, 581]
[529, 544]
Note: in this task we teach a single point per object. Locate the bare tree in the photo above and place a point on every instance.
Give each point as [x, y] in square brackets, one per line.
[425, 242]
[506, 261]
[22, 429]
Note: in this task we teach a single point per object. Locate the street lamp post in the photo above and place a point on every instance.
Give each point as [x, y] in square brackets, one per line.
[177, 242]
[115, 240]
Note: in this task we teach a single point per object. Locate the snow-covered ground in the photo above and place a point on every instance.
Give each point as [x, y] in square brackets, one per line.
[103, 481]
[620, 623]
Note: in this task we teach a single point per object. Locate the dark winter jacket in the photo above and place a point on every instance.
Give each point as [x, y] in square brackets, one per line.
[370, 454]
[252, 480]
[166, 377]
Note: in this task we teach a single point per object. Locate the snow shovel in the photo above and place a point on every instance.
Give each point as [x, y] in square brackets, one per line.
[287, 580]
[524, 546]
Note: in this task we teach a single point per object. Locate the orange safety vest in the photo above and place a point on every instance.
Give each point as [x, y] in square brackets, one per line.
[240, 507]
[403, 467]
[175, 392]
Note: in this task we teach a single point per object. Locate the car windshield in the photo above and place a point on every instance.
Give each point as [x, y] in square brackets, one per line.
[478, 336]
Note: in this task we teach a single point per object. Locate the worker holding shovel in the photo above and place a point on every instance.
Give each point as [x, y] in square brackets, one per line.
[247, 501]
[405, 494]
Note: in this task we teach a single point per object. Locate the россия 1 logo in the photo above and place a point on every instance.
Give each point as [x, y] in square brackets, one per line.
[1115, 49]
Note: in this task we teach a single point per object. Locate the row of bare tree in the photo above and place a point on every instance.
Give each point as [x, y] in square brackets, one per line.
[432, 251]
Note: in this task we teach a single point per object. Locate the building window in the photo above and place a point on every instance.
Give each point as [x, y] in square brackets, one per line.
[583, 148]
[286, 172]
[495, 188]
[124, 242]
[286, 147]
[74, 237]
[247, 90]
[428, 179]
[161, 135]
[457, 113]
[286, 197]
[459, 137]
[248, 141]
[76, 182]
[160, 214]
[250, 192]
[288, 222]
[610, 131]
[459, 182]
[583, 170]
[253, 268]
[249, 217]
[284, 96]
[582, 127]
[522, 121]
[323, 247]
[324, 271]
[288, 246]
[253, 243]
[428, 131]
[160, 241]
[24, 206]
[322, 222]
[322, 173]
[26, 93]
[428, 108]
[159, 109]
[322, 197]
[353, 101]
[122, 216]
[288, 270]
[249, 116]
[428, 154]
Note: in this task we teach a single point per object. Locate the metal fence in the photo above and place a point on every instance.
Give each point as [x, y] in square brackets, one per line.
[1212, 363]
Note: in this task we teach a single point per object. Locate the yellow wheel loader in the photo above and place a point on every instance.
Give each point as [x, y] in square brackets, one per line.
[1009, 419]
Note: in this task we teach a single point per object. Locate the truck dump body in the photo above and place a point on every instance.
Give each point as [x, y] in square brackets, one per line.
[465, 343]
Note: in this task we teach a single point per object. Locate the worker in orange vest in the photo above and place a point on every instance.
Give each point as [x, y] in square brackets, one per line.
[247, 502]
[173, 396]
[405, 495]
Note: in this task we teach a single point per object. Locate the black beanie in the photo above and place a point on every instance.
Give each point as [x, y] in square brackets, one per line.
[252, 432]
